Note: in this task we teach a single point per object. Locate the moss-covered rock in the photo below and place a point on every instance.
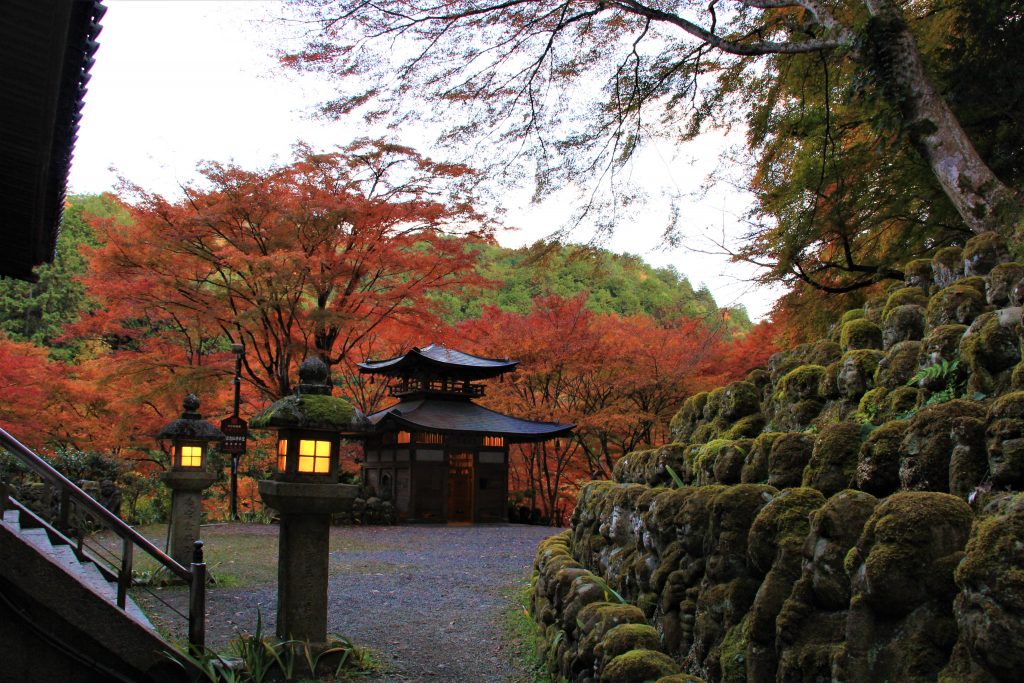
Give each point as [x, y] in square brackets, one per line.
[990, 349]
[811, 626]
[833, 462]
[852, 314]
[928, 445]
[704, 463]
[947, 266]
[968, 463]
[740, 399]
[311, 411]
[680, 678]
[774, 552]
[746, 427]
[732, 657]
[918, 273]
[789, 455]
[984, 252]
[822, 352]
[860, 334]
[801, 383]
[901, 624]
[990, 606]
[759, 377]
[899, 365]
[906, 296]
[955, 304]
[872, 406]
[755, 467]
[903, 323]
[639, 666]
[878, 467]
[857, 373]
[685, 422]
[1005, 441]
[1001, 282]
[623, 638]
[873, 308]
[728, 464]
[828, 387]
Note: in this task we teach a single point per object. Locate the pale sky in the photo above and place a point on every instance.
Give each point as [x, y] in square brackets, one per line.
[181, 81]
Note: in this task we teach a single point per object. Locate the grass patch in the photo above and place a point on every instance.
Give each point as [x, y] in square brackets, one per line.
[524, 636]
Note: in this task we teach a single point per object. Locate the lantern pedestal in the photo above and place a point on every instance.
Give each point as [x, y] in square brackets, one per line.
[303, 547]
[186, 510]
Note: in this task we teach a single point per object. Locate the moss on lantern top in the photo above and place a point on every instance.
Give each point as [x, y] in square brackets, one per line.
[312, 406]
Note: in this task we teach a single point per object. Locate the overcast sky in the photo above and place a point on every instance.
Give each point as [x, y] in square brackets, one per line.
[180, 81]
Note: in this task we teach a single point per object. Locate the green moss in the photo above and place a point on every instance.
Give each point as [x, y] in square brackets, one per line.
[802, 382]
[759, 377]
[309, 411]
[833, 462]
[755, 466]
[685, 421]
[680, 678]
[955, 304]
[785, 520]
[639, 666]
[739, 400]
[903, 297]
[626, 637]
[983, 252]
[878, 469]
[1001, 281]
[899, 402]
[918, 273]
[872, 406]
[828, 387]
[822, 352]
[950, 257]
[899, 365]
[789, 455]
[732, 658]
[747, 427]
[852, 314]
[860, 334]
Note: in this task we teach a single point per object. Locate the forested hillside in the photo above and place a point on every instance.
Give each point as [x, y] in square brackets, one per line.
[145, 298]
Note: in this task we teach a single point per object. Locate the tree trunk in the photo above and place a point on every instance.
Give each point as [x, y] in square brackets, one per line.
[979, 197]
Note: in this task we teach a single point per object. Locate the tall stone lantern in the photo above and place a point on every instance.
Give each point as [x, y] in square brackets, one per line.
[305, 491]
[190, 437]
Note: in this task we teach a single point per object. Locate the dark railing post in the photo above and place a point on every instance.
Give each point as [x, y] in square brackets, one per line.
[124, 578]
[197, 600]
[64, 512]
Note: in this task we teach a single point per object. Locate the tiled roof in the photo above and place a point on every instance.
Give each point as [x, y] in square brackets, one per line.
[435, 356]
[46, 51]
[466, 417]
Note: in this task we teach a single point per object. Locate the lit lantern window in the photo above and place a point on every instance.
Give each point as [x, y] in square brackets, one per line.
[494, 441]
[404, 437]
[191, 456]
[282, 455]
[314, 456]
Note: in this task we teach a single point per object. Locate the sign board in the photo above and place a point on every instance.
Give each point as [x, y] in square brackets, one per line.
[236, 431]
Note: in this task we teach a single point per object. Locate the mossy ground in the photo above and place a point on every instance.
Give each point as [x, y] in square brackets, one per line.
[522, 633]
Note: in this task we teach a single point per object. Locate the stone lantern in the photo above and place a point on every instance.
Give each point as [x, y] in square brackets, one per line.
[305, 491]
[190, 437]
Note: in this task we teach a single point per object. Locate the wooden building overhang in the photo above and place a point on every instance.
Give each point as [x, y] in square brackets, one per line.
[464, 417]
[46, 51]
[438, 360]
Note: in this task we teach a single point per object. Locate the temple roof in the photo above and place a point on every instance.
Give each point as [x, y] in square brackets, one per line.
[437, 358]
[466, 418]
[46, 51]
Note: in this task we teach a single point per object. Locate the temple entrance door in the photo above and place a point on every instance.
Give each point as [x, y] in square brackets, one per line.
[460, 487]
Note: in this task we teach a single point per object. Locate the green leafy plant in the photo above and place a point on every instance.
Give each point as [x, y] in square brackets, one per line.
[676, 479]
[945, 374]
[609, 592]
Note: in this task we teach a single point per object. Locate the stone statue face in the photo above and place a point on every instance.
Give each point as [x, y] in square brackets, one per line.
[850, 380]
[824, 558]
[1006, 460]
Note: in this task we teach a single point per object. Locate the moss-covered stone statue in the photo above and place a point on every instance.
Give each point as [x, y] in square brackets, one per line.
[900, 625]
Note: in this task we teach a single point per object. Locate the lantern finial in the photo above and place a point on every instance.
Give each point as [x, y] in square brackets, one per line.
[314, 377]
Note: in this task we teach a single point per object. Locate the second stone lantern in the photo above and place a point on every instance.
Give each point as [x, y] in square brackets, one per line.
[305, 491]
[190, 437]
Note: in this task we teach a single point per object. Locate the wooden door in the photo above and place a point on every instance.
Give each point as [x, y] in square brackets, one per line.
[460, 487]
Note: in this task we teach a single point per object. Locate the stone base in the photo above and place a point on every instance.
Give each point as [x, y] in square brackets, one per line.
[302, 498]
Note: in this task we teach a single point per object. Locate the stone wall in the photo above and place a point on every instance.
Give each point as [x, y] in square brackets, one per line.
[849, 513]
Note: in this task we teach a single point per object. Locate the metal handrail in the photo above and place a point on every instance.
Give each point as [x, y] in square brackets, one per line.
[194, 576]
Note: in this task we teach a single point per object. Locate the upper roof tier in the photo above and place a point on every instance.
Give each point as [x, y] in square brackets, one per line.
[435, 359]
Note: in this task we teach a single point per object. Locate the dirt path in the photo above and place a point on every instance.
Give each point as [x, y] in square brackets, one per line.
[430, 600]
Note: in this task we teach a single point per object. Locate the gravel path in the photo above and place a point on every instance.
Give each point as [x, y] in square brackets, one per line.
[429, 600]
